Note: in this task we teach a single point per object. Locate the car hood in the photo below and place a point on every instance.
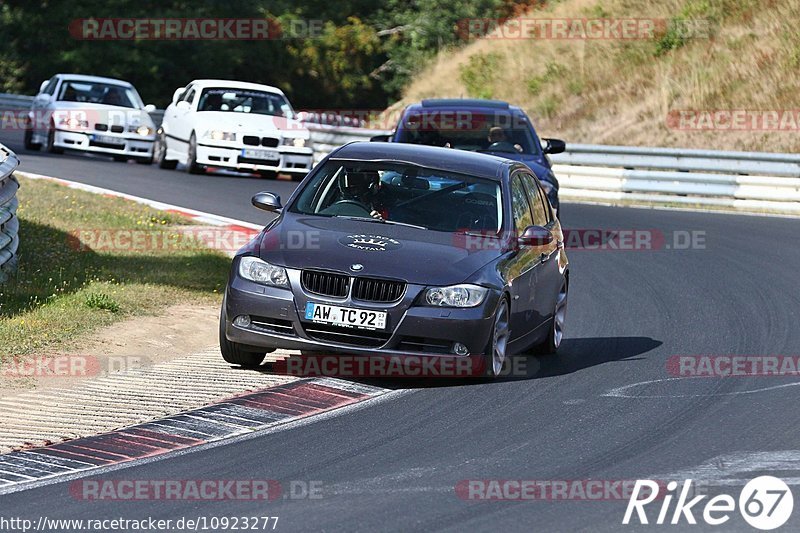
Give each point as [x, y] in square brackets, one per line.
[251, 124]
[102, 114]
[417, 256]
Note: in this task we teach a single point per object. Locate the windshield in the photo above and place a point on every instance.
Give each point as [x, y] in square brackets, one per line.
[245, 101]
[405, 194]
[99, 93]
[469, 131]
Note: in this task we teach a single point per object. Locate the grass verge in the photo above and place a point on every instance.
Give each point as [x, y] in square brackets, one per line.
[64, 289]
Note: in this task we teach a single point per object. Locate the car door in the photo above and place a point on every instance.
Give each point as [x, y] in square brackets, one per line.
[181, 124]
[41, 104]
[548, 275]
[522, 267]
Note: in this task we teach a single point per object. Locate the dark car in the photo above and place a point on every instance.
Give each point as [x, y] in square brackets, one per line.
[488, 126]
[396, 249]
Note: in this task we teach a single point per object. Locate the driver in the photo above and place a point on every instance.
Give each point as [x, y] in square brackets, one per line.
[359, 192]
[499, 142]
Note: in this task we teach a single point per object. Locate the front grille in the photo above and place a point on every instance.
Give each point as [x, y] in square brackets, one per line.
[378, 290]
[252, 140]
[342, 335]
[325, 283]
[101, 127]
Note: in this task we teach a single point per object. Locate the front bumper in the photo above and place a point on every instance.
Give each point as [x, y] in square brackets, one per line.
[277, 322]
[127, 145]
[287, 159]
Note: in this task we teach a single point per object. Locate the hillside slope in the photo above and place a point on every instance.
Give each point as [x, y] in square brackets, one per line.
[668, 89]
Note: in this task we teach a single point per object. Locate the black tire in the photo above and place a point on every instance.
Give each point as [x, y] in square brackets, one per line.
[51, 143]
[120, 158]
[556, 333]
[191, 158]
[144, 160]
[160, 153]
[492, 370]
[28, 141]
[235, 353]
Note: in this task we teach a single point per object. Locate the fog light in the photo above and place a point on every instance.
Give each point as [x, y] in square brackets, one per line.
[242, 321]
[460, 349]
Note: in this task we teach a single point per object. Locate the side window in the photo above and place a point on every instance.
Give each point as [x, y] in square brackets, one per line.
[519, 205]
[540, 204]
[187, 96]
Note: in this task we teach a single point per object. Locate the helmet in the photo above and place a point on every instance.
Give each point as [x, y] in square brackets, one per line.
[355, 184]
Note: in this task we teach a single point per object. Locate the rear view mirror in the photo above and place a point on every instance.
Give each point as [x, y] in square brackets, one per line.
[183, 105]
[554, 146]
[43, 85]
[535, 236]
[177, 94]
[383, 138]
[267, 201]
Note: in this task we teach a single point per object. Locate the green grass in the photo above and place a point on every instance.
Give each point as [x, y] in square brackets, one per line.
[63, 291]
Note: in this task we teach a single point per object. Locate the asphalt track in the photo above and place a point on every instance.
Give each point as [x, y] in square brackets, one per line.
[605, 408]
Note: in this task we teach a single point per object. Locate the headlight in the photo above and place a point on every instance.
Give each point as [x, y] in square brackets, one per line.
[144, 131]
[456, 296]
[73, 123]
[255, 269]
[219, 135]
[297, 142]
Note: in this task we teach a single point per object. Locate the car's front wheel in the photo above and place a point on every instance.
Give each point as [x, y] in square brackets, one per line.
[28, 141]
[160, 153]
[191, 157]
[497, 348]
[51, 143]
[233, 352]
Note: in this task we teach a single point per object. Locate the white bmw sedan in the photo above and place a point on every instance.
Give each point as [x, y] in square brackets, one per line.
[245, 127]
[91, 114]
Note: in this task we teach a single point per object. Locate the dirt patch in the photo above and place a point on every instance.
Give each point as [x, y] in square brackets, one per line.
[134, 343]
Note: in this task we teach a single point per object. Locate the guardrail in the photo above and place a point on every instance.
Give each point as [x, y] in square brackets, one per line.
[15, 101]
[738, 180]
[9, 224]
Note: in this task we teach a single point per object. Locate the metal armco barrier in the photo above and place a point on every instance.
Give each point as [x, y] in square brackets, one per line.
[9, 224]
[738, 180]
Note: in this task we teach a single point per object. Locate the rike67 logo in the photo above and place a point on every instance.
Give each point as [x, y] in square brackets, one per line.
[765, 503]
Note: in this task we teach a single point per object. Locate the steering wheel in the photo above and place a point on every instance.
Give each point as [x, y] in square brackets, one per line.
[355, 203]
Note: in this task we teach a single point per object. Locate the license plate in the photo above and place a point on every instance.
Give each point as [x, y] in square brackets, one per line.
[345, 316]
[266, 155]
[107, 139]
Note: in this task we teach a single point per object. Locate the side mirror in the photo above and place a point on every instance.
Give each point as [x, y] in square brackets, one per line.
[177, 94]
[183, 105]
[554, 146]
[150, 108]
[535, 236]
[383, 138]
[43, 85]
[267, 201]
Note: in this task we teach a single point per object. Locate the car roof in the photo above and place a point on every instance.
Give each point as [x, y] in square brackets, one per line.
[431, 104]
[85, 77]
[446, 159]
[235, 85]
